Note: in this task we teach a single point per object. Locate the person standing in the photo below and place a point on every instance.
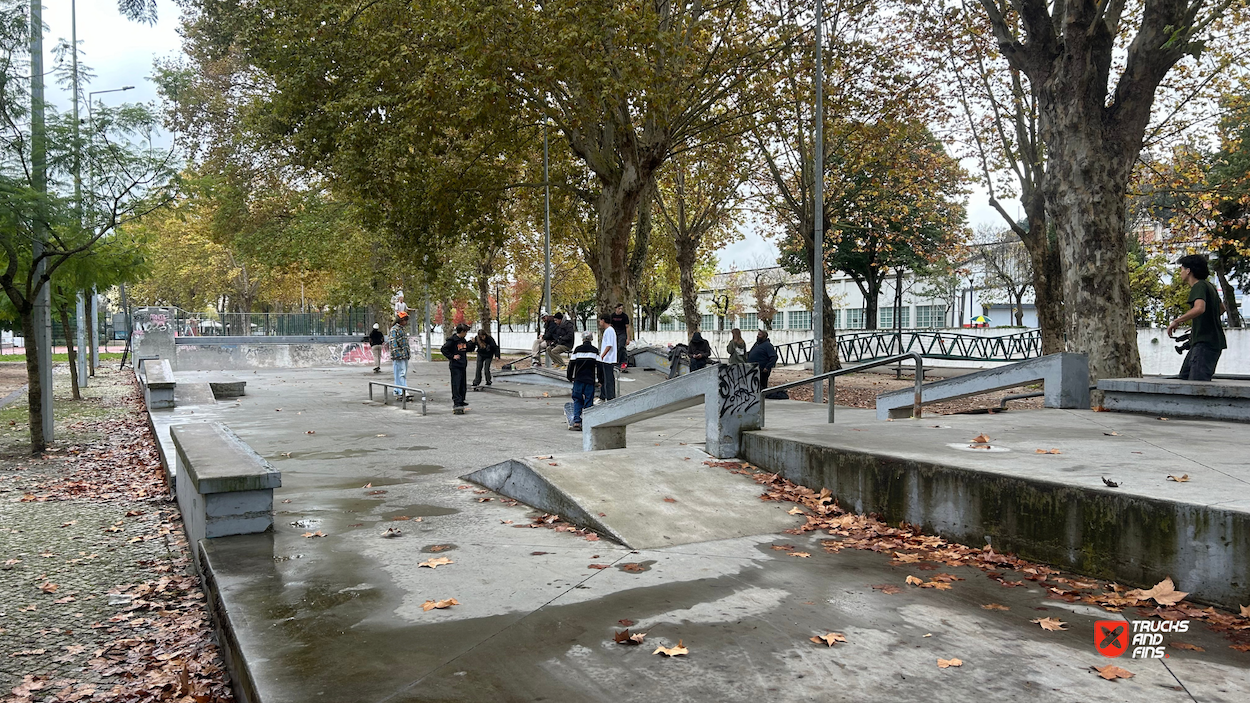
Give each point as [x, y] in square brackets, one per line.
[763, 355]
[584, 370]
[737, 348]
[456, 350]
[607, 358]
[620, 324]
[1206, 337]
[487, 352]
[700, 352]
[397, 344]
[376, 340]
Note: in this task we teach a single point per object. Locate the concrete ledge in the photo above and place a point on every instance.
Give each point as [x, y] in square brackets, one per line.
[223, 486]
[1065, 379]
[1171, 397]
[1104, 533]
[242, 681]
[158, 384]
[730, 396]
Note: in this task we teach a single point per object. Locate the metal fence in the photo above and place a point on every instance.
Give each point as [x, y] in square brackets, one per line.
[855, 347]
[348, 321]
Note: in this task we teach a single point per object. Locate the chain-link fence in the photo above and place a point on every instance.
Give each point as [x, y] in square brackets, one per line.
[346, 321]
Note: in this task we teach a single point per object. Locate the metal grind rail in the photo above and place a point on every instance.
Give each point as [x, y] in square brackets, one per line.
[915, 357]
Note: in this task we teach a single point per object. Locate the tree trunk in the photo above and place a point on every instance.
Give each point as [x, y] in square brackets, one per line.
[34, 392]
[642, 240]
[73, 357]
[829, 344]
[1230, 296]
[871, 302]
[483, 296]
[687, 248]
[618, 203]
[1047, 282]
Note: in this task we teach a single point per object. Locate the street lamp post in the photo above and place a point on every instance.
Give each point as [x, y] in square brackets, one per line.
[818, 221]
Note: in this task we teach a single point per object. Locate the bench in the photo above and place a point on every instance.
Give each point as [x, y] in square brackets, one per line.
[158, 384]
[1064, 378]
[223, 486]
[403, 398]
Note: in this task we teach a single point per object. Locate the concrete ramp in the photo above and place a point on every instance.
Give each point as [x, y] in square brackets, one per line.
[642, 498]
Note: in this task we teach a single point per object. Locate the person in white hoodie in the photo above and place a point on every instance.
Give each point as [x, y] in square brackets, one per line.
[607, 358]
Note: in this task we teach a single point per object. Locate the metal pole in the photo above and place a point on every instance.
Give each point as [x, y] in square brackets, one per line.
[80, 317]
[80, 311]
[426, 322]
[546, 227]
[94, 330]
[39, 176]
[818, 220]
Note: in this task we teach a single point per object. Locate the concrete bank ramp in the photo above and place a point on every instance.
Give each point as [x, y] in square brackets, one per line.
[642, 498]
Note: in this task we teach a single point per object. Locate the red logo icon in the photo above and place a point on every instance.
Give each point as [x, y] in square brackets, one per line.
[1111, 637]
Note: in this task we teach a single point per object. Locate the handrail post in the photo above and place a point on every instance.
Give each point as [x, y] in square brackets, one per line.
[919, 362]
[832, 396]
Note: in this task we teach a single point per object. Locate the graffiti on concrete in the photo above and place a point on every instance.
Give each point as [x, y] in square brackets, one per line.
[739, 389]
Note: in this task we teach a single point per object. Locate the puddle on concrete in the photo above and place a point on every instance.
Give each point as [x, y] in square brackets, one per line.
[360, 483]
[350, 453]
[436, 548]
[419, 511]
[422, 469]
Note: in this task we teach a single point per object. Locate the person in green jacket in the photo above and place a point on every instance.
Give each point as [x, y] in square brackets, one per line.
[1206, 337]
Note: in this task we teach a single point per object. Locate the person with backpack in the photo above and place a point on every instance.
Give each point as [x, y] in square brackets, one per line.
[456, 350]
[584, 371]
[487, 352]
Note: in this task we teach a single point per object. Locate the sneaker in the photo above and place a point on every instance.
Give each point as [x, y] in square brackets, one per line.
[488, 383]
[577, 427]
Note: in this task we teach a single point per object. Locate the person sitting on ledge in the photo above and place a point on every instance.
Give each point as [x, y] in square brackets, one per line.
[1206, 335]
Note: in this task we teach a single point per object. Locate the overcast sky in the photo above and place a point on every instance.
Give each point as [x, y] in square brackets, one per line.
[121, 53]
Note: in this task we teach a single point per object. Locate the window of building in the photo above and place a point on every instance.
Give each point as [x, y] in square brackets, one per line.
[749, 321]
[709, 323]
[667, 324]
[799, 320]
[930, 315]
[885, 317]
[854, 318]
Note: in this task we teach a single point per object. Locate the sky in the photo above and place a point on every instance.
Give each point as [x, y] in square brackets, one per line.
[121, 53]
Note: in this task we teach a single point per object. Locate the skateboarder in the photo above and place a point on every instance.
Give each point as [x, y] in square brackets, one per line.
[607, 358]
[621, 325]
[376, 340]
[1207, 341]
[584, 370]
[456, 350]
[487, 352]
[397, 342]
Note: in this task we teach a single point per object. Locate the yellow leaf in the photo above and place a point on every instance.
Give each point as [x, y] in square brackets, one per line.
[794, 511]
[801, 555]
[1164, 593]
[440, 604]
[829, 639]
[677, 651]
[1051, 624]
[946, 663]
[1180, 479]
[914, 581]
[1111, 672]
[436, 562]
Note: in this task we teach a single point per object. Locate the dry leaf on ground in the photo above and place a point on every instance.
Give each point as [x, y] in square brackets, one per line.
[1047, 451]
[1111, 672]
[1164, 593]
[49, 587]
[440, 604]
[672, 651]
[670, 500]
[633, 567]
[624, 637]
[598, 566]
[801, 555]
[436, 562]
[778, 547]
[1051, 624]
[947, 663]
[1109, 483]
[1245, 611]
[310, 535]
[1186, 645]
[440, 547]
[794, 511]
[981, 439]
[829, 639]
[626, 622]
[1179, 479]
[994, 606]
[887, 588]
[912, 580]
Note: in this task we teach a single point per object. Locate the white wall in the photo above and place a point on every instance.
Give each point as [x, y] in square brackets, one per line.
[1159, 357]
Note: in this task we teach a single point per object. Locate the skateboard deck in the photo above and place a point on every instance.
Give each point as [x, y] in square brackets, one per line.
[568, 412]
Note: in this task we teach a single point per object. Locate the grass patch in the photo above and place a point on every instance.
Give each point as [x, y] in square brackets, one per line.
[64, 357]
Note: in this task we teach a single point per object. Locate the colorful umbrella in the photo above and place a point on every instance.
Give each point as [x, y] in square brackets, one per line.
[980, 320]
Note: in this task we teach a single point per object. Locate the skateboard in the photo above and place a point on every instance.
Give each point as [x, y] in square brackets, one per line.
[568, 412]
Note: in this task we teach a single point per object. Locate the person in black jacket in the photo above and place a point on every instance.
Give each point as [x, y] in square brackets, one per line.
[584, 371]
[456, 350]
[376, 339]
[764, 355]
[562, 336]
[700, 352]
[546, 341]
[487, 352]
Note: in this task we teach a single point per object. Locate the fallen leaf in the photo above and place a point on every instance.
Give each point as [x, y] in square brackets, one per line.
[1245, 611]
[71, 522]
[994, 606]
[1180, 479]
[376, 493]
[981, 439]
[1240, 647]
[1164, 419]
[310, 535]
[1051, 624]
[1164, 593]
[626, 622]
[633, 640]
[633, 568]
[287, 500]
[400, 518]
[1109, 483]
[444, 547]
[1048, 451]
[538, 554]
[914, 581]
[1112, 433]
[670, 500]
[599, 566]
[829, 639]
[778, 547]
[887, 588]
[66, 599]
[28, 653]
[436, 562]
[487, 499]
[370, 485]
[1112, 672]
[795, 511]
[311, 432]
[672, 651]
[11, 562]
[49, 587]
[946, 663]
[439, 604]
[801, 555]
[1186, 645]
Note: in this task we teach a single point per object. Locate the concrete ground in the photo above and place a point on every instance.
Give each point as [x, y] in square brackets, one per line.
[340, 617]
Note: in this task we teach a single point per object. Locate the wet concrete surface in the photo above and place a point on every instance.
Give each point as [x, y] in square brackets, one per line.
[340, 617]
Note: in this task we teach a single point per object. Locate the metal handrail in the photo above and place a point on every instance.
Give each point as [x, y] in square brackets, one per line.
[916, 358]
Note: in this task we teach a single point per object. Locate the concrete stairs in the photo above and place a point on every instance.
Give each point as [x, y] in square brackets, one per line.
[1172, 397]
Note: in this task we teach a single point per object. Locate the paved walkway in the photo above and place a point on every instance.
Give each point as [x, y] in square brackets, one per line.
[341, 618]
